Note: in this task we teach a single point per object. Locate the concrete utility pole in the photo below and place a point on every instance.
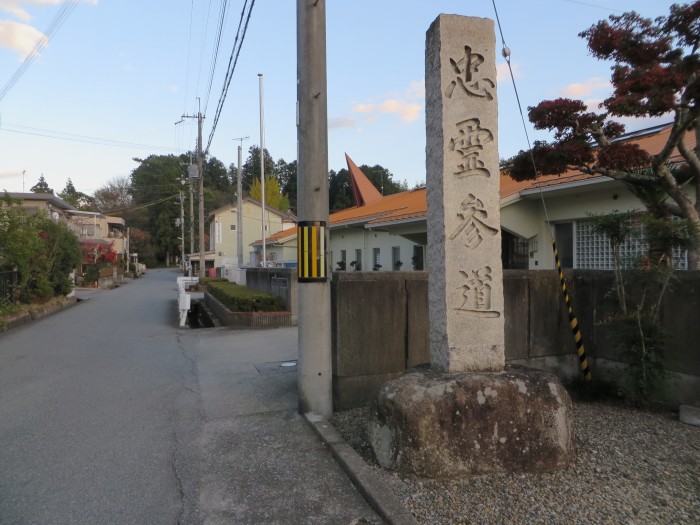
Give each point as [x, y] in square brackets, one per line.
[200, 169]
[200, 162]
[182, 229]
[315, 381]
[262, 167]
[189, 273]
[239, 203]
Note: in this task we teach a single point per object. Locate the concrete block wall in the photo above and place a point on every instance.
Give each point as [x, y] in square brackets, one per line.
[380, 328]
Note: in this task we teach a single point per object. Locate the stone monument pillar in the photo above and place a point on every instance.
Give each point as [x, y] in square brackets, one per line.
[463, 177]
[468, 414]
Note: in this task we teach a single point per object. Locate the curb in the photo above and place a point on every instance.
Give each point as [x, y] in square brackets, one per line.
[365, 479]
[36, 313]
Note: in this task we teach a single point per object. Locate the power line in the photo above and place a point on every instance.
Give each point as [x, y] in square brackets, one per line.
[60, 135]
[217, 45]
[189, 53]
[140, 206]
[64, 12]
[233, 60]
[205, 23]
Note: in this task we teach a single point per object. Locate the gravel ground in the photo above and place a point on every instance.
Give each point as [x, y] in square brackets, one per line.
[631, 467]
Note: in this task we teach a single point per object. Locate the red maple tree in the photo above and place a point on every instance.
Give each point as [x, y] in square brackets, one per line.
[655, 72]
[98, 252]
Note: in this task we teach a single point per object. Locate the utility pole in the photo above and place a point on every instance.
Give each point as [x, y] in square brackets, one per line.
[262, 167]
[200, 169]
[315, 381]
[189, 179]
[182, 229]
[189, 273]
[239, 203]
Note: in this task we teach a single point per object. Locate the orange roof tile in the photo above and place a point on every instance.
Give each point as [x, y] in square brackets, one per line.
[398, 206]
[651, 142]
[279, 236]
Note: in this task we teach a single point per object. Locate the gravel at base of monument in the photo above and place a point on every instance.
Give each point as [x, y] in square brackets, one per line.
[631, 466]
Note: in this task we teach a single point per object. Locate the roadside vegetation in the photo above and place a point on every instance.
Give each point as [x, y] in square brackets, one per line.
[37, 256]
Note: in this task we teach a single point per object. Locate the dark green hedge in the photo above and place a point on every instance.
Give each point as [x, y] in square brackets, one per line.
[206, 281]
[240, 299]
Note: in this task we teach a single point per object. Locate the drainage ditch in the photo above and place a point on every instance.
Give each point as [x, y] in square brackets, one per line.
[199, 316]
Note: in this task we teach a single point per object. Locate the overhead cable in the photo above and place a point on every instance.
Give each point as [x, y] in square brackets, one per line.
[60, 135]
[233, 60]
[64, 12]
[217, 45]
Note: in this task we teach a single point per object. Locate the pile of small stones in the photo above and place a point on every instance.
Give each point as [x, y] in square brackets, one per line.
[631, 467]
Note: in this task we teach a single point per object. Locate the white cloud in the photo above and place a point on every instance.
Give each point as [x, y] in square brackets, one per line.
[406, 111]
[14, 6]
[407, 105]
[174, 88]
[19, 37]
[585, 88]
[593, 105]
[415, 90]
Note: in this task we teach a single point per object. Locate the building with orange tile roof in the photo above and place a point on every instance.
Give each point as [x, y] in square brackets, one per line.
[379, 231]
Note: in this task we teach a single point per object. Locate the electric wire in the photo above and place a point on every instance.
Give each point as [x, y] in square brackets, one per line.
[505, 51]
[140, 206]
[233, 60]
[205, 23]
[573, 320]
[64, 12]
[60, 135]
[189, 55]
[217, 45]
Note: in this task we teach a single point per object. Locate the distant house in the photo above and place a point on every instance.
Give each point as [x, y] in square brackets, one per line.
[87, 226]
[95, 227]
[54, 207]
[389, 233]
[280, 248]
[223, 235]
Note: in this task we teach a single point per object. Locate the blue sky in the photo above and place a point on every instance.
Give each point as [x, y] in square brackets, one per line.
[127, 70]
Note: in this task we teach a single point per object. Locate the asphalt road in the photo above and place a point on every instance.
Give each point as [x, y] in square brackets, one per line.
[111, 414]
[89, 399]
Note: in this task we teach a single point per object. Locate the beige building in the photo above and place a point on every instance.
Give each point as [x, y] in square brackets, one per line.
[223, 235]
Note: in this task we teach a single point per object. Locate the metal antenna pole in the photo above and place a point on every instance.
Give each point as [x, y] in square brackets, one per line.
[239, 203]
[262, 167]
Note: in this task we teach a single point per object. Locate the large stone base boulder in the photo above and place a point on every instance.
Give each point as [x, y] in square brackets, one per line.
[446, 425]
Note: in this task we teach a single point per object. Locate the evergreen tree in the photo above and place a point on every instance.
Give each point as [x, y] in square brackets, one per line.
[41, 186]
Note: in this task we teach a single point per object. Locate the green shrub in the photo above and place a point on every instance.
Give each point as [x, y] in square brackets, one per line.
[240, 299]
[42, 289]
[91, 275]
[204, 281]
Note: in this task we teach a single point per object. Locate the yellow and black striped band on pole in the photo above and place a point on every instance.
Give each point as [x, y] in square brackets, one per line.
[311, 251]
[573, 322]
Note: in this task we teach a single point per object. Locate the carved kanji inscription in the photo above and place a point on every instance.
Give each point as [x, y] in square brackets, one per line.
[469, 78]
[477, 293]
[473, 226]
[468, 144]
